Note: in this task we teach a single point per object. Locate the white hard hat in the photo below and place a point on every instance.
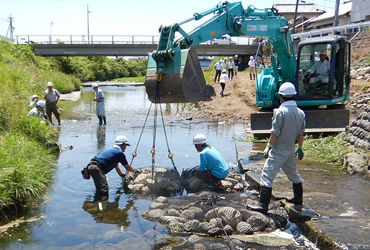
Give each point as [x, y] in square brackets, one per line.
[230, 57]
[251, 57]
[41, 104]
[236, 55]
[323, 52]
[94, 85]
[121, 140]
[287, 89]
[225, 58]
[223, 70]
[49, 84]
[34, 96]
[199, 139]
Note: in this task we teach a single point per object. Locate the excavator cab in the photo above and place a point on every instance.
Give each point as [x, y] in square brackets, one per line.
[323, 71]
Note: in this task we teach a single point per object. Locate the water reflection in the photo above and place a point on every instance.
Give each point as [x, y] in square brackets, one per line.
[104, 211]
[100, 137]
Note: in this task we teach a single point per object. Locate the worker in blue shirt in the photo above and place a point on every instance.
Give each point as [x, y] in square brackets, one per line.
[104, 162]
[100, 107]
[212, 168]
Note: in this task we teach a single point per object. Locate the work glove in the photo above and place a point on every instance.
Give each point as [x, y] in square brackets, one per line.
[299, 153]
[192, 171]
[122, 175]
[137, 171]
[266, 151]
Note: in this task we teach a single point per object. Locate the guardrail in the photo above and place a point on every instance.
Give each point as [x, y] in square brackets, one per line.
[344, 29]
[105, 39]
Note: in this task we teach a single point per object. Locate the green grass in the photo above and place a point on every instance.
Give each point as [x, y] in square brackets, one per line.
[25, 170]
[26, 163]
[330, 149]
[131, 79]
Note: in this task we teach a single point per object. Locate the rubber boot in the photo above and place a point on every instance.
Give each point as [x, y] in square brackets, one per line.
[263, 203]
[100, 120]
[105, 120]
[250, 75]
[298, 194]
[254, 77]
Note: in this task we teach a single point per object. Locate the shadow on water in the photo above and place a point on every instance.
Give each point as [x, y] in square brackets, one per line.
[71, 216]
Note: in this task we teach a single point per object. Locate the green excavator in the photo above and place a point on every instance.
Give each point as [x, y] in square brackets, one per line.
[174, 74]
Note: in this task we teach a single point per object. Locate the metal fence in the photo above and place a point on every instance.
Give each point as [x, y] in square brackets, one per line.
[106, 39]
[339, 30]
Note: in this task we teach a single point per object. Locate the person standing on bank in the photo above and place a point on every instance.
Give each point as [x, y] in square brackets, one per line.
[288, 125]
[252, 68]
[236, 64]
[230, 68]
[104, 162]
[212, 168]
[51, 97]
[218, 67]
[100, 107]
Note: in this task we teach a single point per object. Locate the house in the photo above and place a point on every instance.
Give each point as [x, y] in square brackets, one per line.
[305, 12]
[326, 19]
[360, 11]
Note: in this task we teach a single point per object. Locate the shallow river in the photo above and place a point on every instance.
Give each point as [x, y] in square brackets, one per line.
[68, 217]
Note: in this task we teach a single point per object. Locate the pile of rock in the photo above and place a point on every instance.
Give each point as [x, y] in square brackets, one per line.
[213, 214]
[358, 135]
[361, 73]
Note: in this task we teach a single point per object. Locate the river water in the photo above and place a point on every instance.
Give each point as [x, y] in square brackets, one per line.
[68, 216]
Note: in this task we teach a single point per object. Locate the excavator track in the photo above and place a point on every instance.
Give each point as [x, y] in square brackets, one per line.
[332, 119]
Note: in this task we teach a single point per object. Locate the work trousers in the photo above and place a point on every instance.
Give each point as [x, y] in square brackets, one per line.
[284, 159]
[100, 180]
[206, 176]
[230, 73]
[218, 74]
[52, 108]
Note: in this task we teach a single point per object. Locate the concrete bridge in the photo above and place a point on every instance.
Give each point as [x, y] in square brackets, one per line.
[136, 49]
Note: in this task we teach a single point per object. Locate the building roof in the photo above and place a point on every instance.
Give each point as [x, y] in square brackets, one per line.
[302, 8]
[343, 9]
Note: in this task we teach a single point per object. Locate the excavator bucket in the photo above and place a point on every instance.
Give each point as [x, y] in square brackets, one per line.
[182, 80]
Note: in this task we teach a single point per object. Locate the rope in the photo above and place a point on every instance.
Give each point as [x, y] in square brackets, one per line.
[211, 199]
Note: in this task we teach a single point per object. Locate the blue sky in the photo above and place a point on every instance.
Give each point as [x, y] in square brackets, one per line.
[109, 17]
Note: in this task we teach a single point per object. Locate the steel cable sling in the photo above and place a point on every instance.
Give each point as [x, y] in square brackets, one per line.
[152, 151]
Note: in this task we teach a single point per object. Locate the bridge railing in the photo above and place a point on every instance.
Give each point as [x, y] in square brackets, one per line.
[105, 39]
[84, 39]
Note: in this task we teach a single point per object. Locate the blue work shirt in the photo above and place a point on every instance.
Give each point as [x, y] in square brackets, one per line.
[99, 94]
[110, 158]
[212, 160]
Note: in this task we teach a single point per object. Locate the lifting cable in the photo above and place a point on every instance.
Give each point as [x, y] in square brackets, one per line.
[157, 103]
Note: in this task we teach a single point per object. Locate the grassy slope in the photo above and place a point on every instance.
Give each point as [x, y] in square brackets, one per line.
[26, 162]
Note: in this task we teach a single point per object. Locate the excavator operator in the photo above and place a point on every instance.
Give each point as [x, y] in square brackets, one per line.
[319, 72]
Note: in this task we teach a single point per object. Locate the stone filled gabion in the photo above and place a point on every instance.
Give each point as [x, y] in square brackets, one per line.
[358, 133]
[214, 213]
[232, 183]
[163, 180]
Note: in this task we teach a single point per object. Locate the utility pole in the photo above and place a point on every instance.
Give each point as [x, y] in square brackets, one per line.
[10, 29]
[88, 24]
[295, 16]
[51, 25]
[336, 13]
